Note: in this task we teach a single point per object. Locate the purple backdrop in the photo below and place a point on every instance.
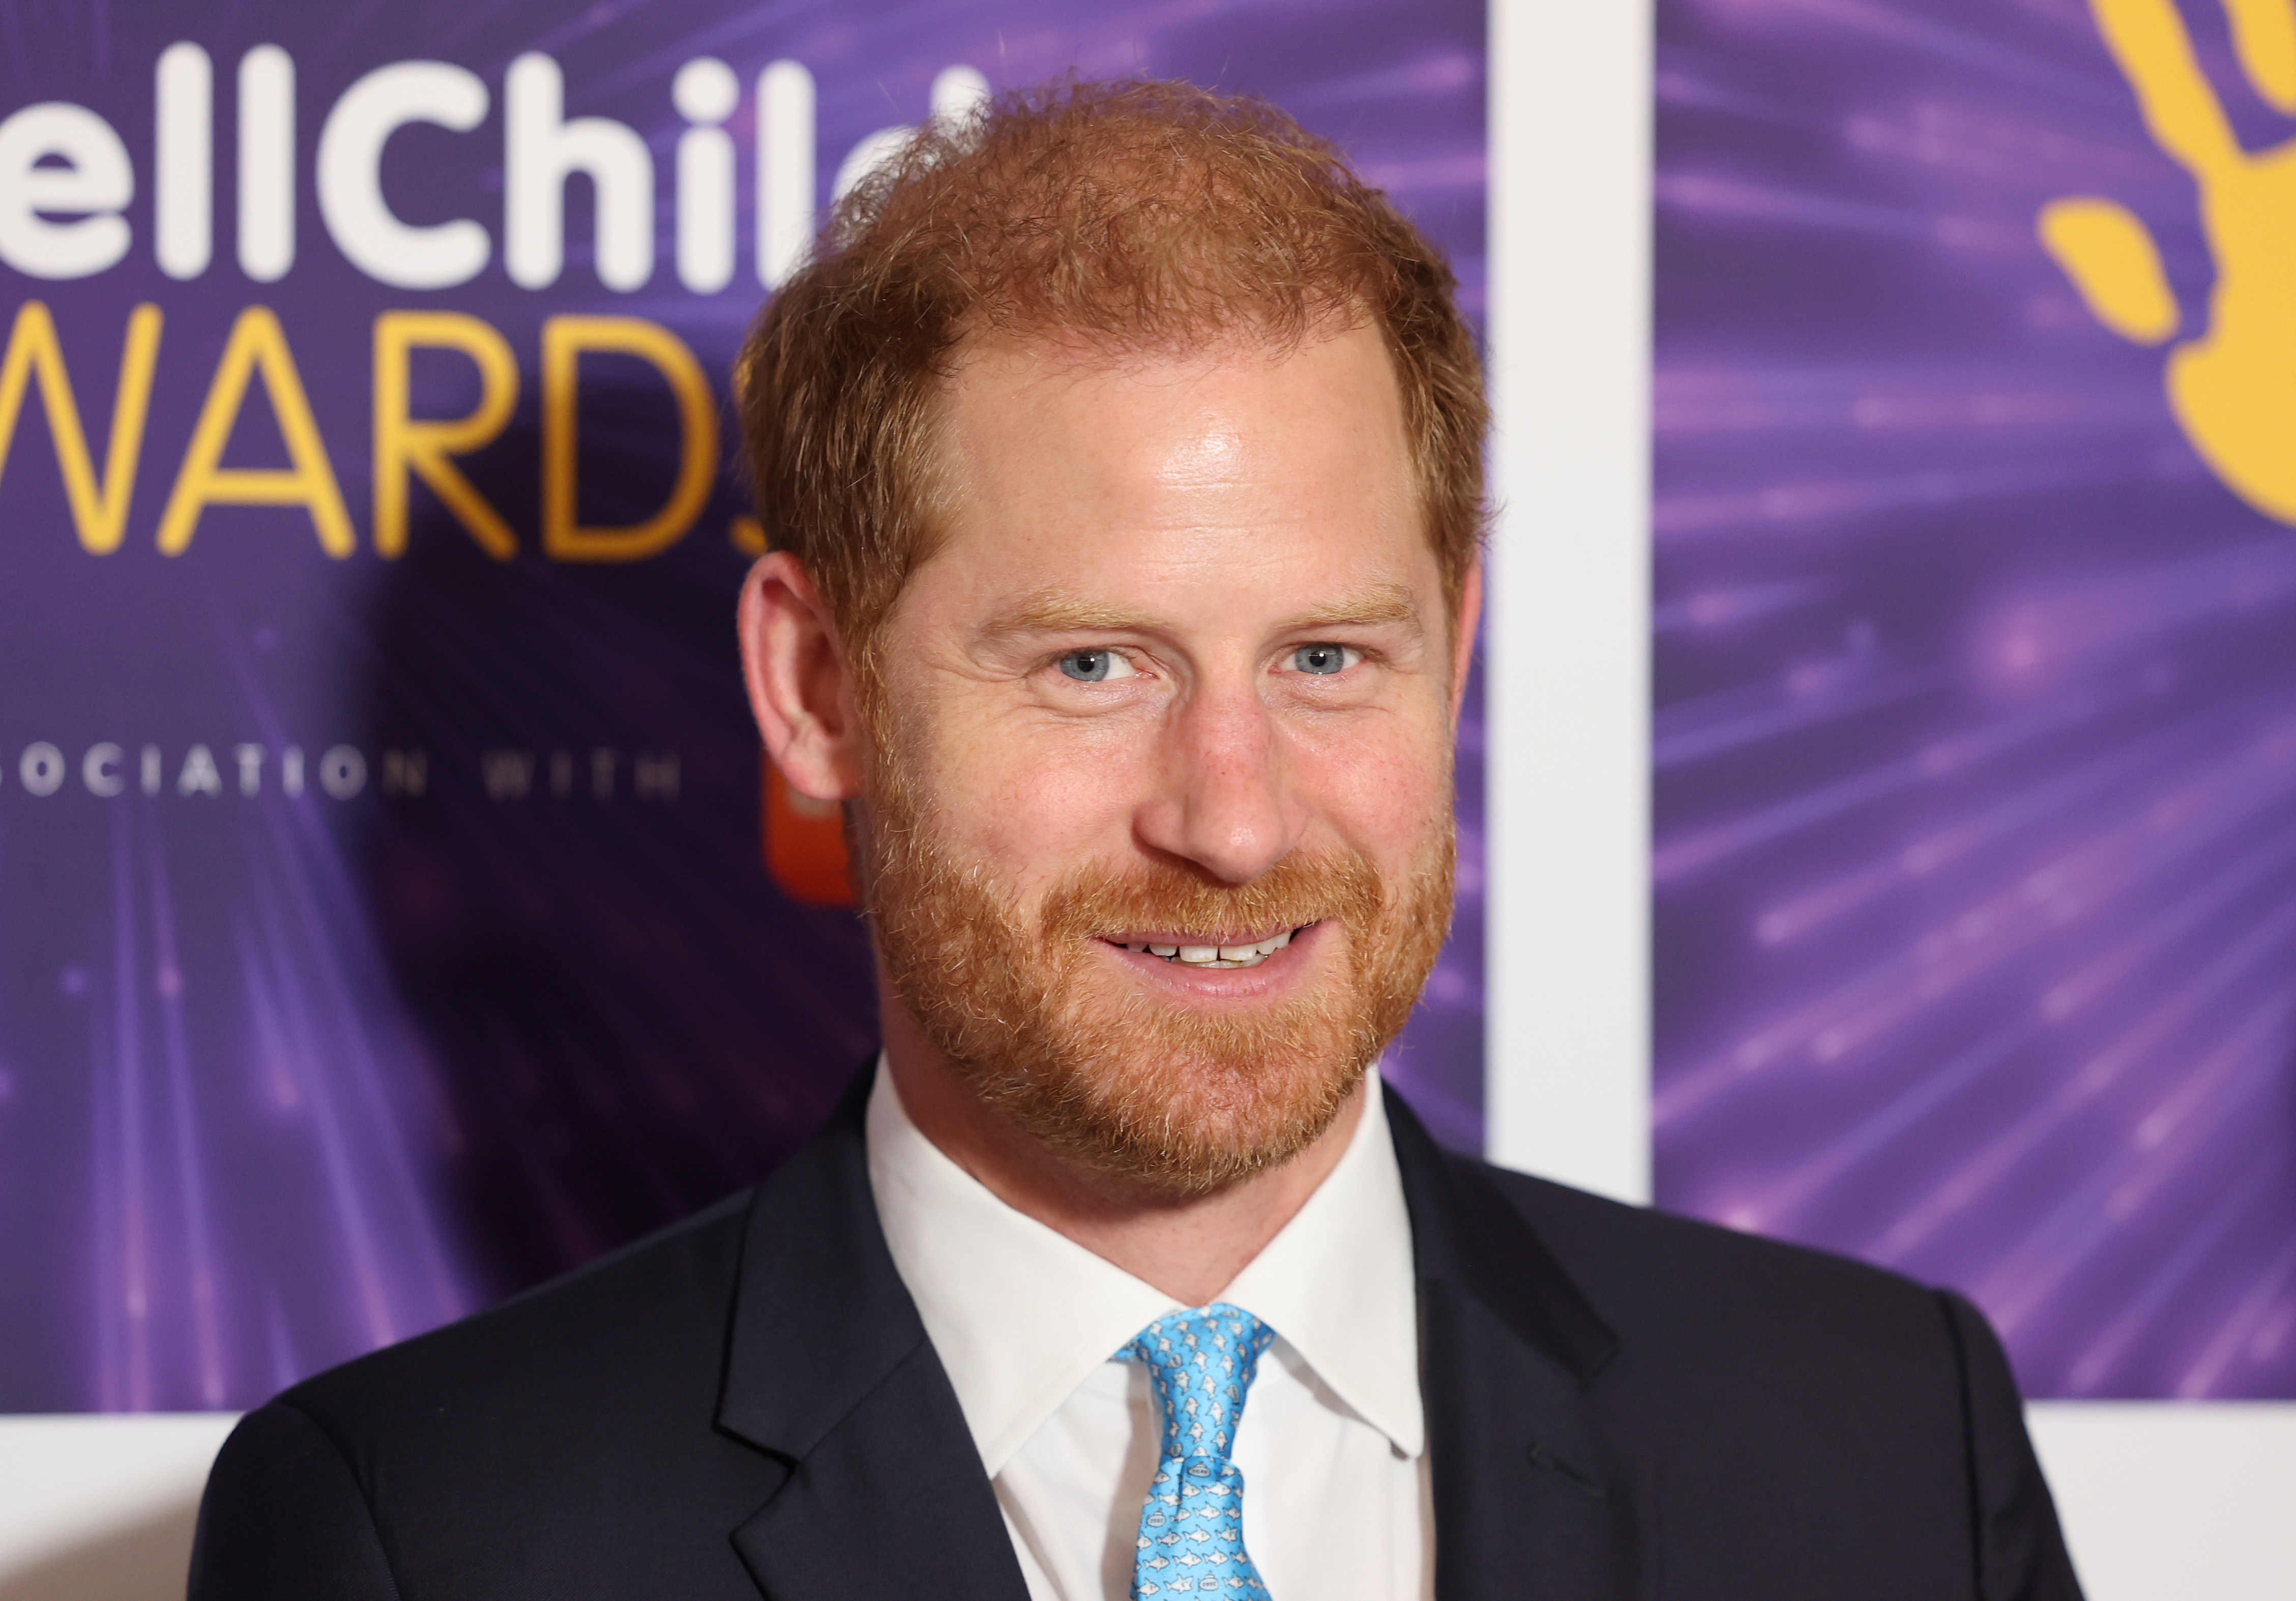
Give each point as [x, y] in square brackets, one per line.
[1975, 755]
[284, 1076]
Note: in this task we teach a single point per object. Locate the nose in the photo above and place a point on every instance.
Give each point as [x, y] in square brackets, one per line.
[1224, 800]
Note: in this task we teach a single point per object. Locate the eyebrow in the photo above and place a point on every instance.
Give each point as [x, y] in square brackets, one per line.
[1051, 611]
[1374, 606]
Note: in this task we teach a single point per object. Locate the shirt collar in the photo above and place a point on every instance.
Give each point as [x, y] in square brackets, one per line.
[1020, 1315]
[1340, 1285]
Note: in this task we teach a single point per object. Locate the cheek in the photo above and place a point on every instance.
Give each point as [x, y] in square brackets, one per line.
[1035, 808]
[1379, 791]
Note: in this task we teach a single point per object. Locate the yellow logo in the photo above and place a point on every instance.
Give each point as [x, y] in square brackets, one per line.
[2233, 386]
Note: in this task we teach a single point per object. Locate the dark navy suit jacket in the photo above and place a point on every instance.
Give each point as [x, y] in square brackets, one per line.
[1619, 1404]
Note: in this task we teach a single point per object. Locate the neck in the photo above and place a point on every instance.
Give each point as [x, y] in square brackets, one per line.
[1189, 1246]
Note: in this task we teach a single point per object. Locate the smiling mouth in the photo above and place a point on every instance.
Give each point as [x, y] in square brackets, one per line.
[1213, 957]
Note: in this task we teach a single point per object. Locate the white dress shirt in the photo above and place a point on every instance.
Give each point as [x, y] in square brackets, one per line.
[1332, 1443]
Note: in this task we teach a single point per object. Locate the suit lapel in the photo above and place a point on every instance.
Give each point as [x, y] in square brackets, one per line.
[829, 1369]
[1529, 1500]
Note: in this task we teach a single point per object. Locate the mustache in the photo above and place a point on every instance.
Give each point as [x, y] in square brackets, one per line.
[1097, 903]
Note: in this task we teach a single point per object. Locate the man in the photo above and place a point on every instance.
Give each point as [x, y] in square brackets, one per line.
[1122, 457]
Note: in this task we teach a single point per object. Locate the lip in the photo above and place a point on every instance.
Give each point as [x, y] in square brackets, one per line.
[1281, 972]
[1166, 937]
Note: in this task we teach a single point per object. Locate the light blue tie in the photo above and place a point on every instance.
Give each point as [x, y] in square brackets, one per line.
[1192, 1525]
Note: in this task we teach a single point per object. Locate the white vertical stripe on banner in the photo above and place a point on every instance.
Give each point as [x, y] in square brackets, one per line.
[1567, 981]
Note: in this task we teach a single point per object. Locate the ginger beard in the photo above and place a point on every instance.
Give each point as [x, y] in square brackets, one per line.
[1179, 1099]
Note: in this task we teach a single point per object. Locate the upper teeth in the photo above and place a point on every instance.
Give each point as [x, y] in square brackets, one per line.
[1220, 955]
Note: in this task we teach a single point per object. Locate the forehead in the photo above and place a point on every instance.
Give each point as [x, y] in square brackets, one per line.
[1239, 463]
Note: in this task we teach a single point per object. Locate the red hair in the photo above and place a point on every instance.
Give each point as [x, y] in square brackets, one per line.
[1131, 216]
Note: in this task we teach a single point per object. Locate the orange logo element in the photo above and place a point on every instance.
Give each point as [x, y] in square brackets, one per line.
[804, 845]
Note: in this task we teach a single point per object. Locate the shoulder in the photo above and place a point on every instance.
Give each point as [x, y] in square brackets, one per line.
[561, 1443]
[1637, 1263]
[1711, 1321]
[1785, 1389]
[651, 1315]
[553, 1415]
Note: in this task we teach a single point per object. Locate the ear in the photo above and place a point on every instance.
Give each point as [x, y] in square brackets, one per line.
[1462, 636]
[800, 691]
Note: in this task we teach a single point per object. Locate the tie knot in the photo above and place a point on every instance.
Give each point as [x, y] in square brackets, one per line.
[1201, 1362]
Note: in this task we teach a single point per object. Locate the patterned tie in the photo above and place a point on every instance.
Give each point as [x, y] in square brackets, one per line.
[1192, 1525]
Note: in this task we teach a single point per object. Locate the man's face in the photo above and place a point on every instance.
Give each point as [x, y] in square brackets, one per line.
[1158, 836]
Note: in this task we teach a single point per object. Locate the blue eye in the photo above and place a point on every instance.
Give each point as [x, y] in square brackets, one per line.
[1320, 658]
[1087, 667]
